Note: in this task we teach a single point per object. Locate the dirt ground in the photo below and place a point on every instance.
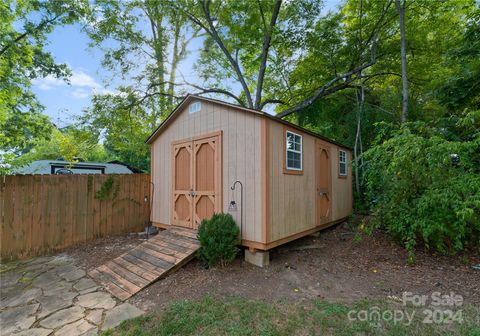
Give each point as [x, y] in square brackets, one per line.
[331, 264]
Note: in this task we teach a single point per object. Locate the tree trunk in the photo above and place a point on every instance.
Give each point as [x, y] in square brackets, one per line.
[265, 48]
[175, 60]
[400, 4]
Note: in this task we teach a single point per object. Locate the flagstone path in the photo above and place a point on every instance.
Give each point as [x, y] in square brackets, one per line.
[52, 296]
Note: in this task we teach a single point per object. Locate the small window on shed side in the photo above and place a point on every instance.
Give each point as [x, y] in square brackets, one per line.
[293, 148]
[342, 163]
[194, 107]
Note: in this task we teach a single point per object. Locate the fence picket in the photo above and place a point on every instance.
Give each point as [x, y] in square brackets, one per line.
[40, 214]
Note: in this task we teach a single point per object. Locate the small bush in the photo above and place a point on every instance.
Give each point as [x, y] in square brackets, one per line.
[218, 237]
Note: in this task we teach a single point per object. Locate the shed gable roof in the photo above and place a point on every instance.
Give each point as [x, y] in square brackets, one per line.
[177, 110]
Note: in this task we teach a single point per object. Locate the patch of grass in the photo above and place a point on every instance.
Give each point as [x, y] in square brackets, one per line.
[235, 316]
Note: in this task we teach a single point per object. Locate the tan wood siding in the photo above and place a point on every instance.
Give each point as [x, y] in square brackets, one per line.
[342, 198]
[292, 198]
[241, 161]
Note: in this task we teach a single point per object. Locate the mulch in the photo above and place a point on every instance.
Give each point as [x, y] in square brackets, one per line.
[334, 264]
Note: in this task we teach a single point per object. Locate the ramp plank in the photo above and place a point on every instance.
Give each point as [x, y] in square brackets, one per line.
[148, 262]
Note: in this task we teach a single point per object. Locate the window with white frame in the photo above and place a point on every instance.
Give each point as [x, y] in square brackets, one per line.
[342, 163]
[194, 107]
[293, 147]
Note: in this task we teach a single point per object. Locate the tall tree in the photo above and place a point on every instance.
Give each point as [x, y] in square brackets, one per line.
[144, 42]
[261, 42]
[335, 42]
[251, 43]
[24, 28]
[400, 5]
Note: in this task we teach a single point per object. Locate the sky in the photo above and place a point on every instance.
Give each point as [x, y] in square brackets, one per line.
[64, 102]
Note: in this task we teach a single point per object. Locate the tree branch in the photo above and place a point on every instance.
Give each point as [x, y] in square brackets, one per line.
[200, 88]
[212, 31]
[327, 88]
[348, 77]
[214, 90]
[271, 101]
[26, 33]
[267, 38]
[214, 34]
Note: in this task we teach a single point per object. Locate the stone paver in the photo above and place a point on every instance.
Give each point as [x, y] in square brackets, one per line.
[95, 316]
[34, 332]
[120, 313]
[63, 269]
[9, 279]
[63, 317]
[46, 280]
[52, 304]
[61, 260]
[84, 283]
[89, 290]
[52, 296]
[39, 260]
[55, 285]
[96, 300]
[22, 299]
[74, 275]
[75, 329]
[17, 319]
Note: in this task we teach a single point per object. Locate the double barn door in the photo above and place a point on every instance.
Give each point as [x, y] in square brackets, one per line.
[196, 180]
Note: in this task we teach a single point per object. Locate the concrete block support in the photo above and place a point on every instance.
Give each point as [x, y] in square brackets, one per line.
[258, 258]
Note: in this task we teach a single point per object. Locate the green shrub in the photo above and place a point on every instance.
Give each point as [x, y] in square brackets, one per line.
[218, 237]
[419, 195]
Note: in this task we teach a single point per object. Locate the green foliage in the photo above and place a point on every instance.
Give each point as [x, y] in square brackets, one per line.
[67, 144]
[417, 193]
[243, 33]
[151, 39]
[462, 87]
[109, 189]
[125, 127]
[218, 238]
[24, 29]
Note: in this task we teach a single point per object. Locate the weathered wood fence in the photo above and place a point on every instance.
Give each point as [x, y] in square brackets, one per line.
[44, 213]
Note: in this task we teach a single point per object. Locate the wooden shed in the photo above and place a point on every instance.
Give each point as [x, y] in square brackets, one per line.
[295, 182]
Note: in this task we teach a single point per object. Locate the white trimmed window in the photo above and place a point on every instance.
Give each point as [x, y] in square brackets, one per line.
[293, 147]
[194, 107]
[342, 163]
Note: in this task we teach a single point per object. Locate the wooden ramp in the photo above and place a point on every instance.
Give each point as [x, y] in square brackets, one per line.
[155, 258]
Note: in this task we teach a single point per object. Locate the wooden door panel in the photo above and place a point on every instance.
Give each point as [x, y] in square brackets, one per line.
[196, 180]
[204, 207]
[323, 181]
[182, 184]
[182, 169]
[207, 178]
[182, 206]
[205, 167]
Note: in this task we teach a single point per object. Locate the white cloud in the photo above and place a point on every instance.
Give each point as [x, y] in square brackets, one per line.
[80, 93]
[48, 82]
[104, 91]
[82, 79]
[81, 86]
[78, 79]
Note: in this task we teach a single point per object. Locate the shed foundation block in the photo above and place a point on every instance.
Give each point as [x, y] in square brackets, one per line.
[257, 258]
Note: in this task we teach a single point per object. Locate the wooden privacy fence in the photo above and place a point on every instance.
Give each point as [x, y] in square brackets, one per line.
[43, 213]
